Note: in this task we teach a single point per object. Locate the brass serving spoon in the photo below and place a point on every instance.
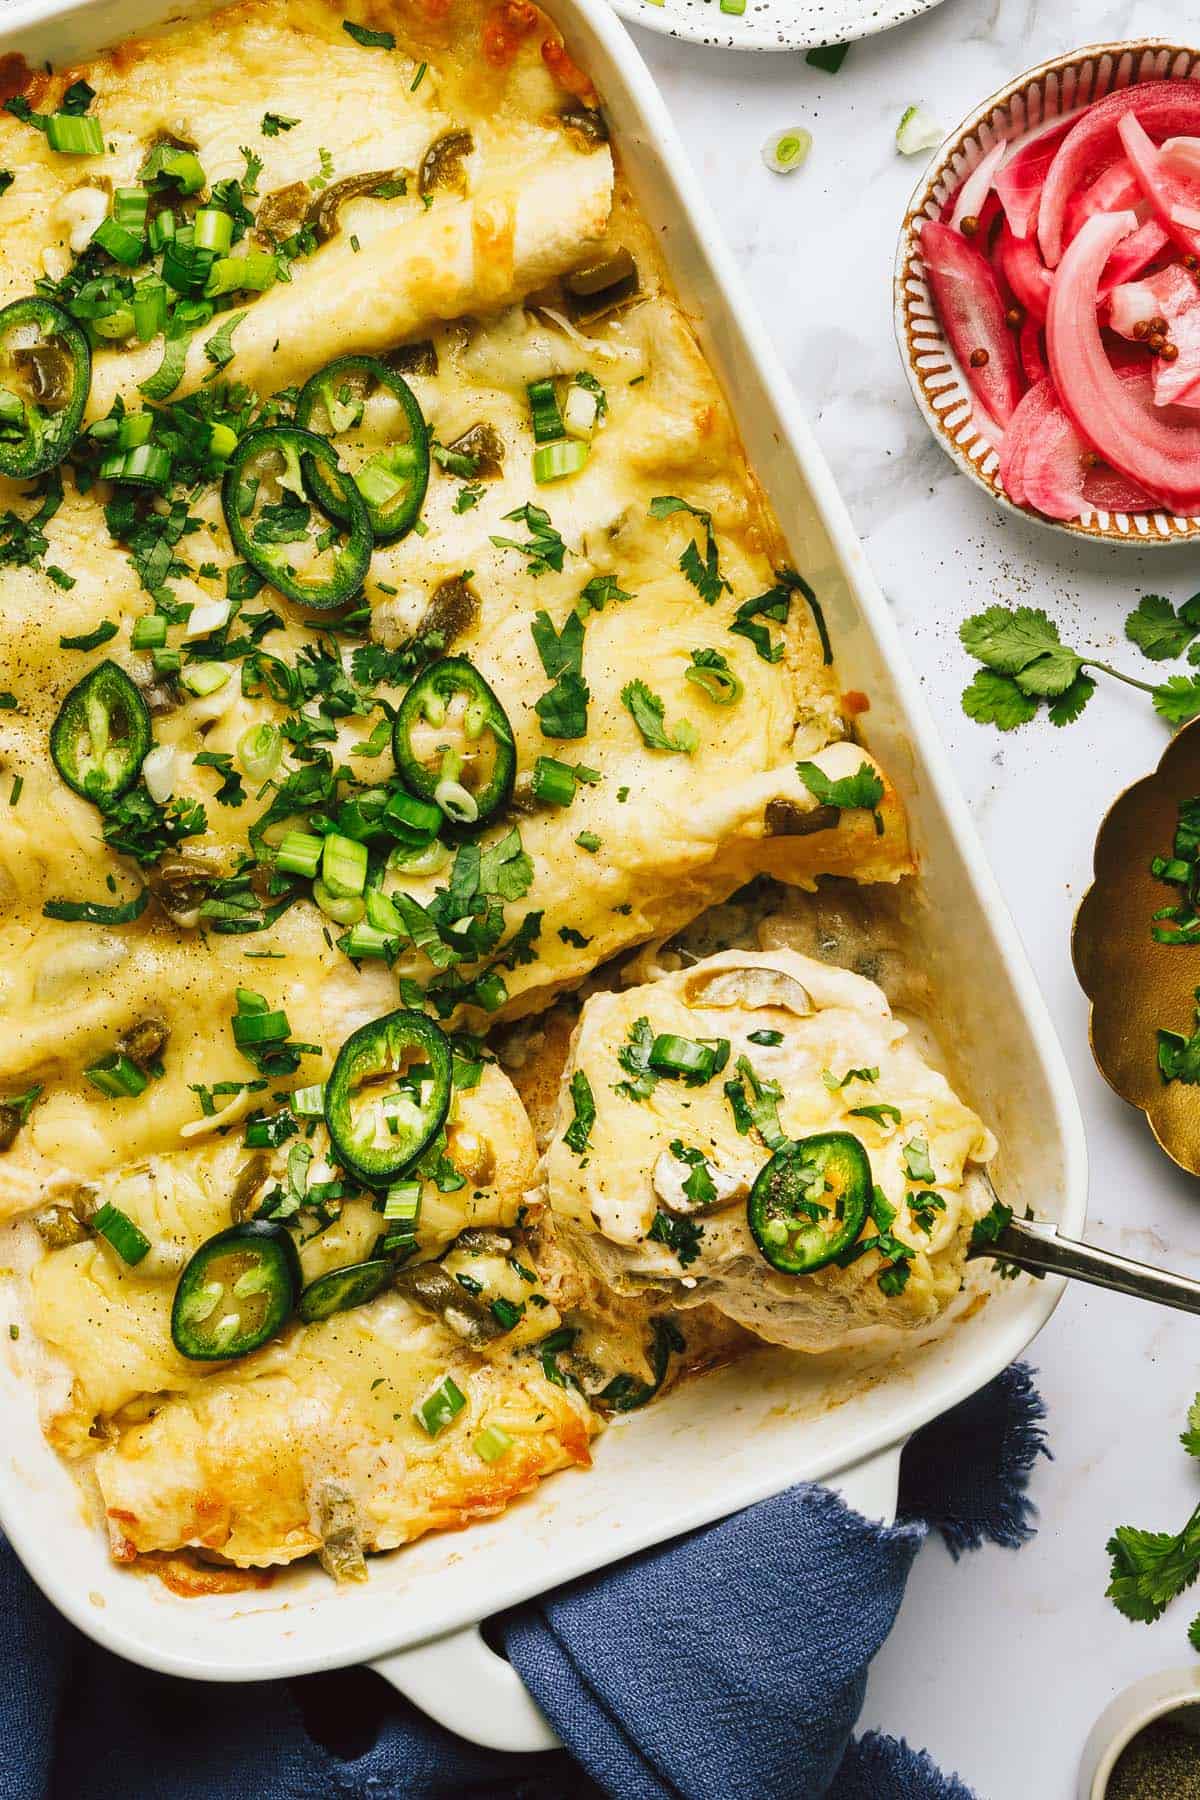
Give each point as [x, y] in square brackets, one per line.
[1136, 985]
[1040, 1249]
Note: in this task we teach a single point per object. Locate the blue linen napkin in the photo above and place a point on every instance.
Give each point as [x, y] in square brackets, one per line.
[731, 1662]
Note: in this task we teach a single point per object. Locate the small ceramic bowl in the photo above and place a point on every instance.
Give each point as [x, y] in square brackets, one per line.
[939, 388]
[1173, 1694]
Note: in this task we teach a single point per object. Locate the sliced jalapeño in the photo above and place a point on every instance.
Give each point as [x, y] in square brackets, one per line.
[236, 1292]
[453, 743]
[101, 735]
[381, 430]
[278, 520]
[809, 1204]
[45, 375]
[388, 1094]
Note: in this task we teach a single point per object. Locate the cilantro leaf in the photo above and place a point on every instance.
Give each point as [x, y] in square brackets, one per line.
[544, 548]
[596, 593]
[1158, 630]
[1190, 1439]
[219, 347]
[992, 699]
[1067, 706]
[703, 572]
[634, 1058]
[90, 640]
[647, 712]
[1149, 1568]
[849, 793]
[370, 40]
[1009, 639]
[699, 1186]
[1178, 699]
[273, 123]
[681, 1236]
[988, 1229]
[584, 1102]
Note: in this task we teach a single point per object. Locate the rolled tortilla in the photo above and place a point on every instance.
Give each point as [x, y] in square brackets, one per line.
[473, 255]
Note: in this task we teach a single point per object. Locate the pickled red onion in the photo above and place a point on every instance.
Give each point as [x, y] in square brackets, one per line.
[971, 313]
[1168, 194]
[975, 189]
[1150, 449]
[1165, 109]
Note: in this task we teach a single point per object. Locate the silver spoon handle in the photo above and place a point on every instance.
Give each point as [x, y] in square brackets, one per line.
[1040, 1250]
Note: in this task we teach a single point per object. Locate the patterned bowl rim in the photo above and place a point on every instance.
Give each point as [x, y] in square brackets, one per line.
[1049, 91]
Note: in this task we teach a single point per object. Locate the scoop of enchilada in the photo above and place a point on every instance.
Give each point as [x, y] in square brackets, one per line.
[678, 1095]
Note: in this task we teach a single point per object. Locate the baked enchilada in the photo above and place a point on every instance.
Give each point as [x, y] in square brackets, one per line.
[393, 640]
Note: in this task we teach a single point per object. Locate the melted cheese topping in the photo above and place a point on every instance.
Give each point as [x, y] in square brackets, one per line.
[310, 1443]
[609, 1198]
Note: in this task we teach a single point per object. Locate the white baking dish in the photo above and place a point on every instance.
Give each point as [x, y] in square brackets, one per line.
[749, 1430]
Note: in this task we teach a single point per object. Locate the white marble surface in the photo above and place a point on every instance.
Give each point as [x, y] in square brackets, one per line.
[998, 1664]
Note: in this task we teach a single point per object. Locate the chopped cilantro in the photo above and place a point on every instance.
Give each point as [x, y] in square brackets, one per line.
[681, 1236]
[370, 40]
[699, 1186]
[90, 640]
[647, 711]
[862, 790]
[634, 1058]
[544, 548]
[917, 1165]
[703, 572]
[583, 1100]
[273, 123]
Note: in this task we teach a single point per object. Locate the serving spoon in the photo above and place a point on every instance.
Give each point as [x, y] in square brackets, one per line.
[1041, 1249]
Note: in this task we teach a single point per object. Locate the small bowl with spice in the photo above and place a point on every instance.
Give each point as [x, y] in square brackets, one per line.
[1146, 1744]
[1047, 294]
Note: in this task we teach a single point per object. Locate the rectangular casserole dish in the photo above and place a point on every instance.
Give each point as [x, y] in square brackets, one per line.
[772, 1419]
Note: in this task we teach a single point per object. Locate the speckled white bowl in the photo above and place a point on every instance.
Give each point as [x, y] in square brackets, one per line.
[939, 388]
[771, 24]
[1154, 1697]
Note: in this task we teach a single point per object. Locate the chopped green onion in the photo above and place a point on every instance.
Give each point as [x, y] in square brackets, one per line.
[672, 1055]
[456, 801]
[122, 244]
[343, 866]
[74, 134]
[260, 749]
[733, 6]
[365, 940]
[222, 442]
[149, 309]
[166, 662]
[134, 429]
[407, 817]
[149, 632]
[205, 678]
[252, 273]
[554, 462]
[442, 1404]
[146, 465]
[309, 1102]
[130, 205]
[493, 1441]
[168, 165]
[117, 1077]
[543, 408]
[918, 130]
[161, 229]
[270, 1027]
[118, 1229]
[114, 325]
[342, 909]
[403, 1203]
[382, 914]
[490, 991]
[786, 150]
[212, 229]
[714, 677]
[553, 782]
[300, 853]
[378, 484]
